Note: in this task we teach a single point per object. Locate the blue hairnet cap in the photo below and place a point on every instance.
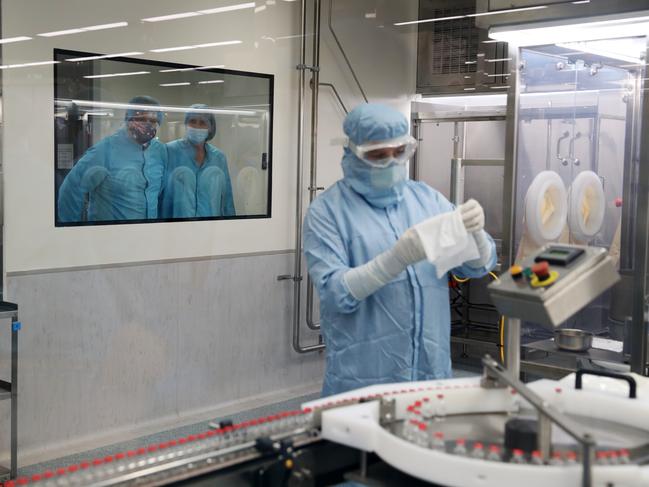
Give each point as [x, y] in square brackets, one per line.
[208, 117]
[143, 100]
[374, 122]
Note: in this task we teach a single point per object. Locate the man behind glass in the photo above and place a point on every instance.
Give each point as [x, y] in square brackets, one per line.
[120, 177]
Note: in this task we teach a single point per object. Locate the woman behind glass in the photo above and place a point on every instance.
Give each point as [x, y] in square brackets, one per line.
[198, 180]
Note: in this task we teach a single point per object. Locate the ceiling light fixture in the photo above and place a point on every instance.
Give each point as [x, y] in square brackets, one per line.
[113, 75]
[79, 30]
[196, 46]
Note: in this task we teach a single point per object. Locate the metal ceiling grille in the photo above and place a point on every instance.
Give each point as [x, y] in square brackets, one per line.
[453, 42]
[453, 56]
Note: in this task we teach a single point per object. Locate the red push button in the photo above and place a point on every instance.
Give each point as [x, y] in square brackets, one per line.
[542, 270]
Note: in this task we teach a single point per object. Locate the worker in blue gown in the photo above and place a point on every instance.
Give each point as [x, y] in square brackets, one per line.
[120, 177]
[198, 181]
[385, 316]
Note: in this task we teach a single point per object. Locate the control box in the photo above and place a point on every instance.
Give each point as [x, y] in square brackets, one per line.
[553, 284]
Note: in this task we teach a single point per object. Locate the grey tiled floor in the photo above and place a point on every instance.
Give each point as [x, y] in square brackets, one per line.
[167, 435]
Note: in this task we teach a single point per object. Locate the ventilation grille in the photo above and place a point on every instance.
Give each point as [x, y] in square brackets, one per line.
[453, 56]
[453, 42]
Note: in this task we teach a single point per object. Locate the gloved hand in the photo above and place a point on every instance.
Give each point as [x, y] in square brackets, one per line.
[484, 249]
[472, 216]
[366, 279]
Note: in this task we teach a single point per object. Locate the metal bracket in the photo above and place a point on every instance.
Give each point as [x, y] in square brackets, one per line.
[387, 411]
[316, 188]
[306, 67]
[289, 277]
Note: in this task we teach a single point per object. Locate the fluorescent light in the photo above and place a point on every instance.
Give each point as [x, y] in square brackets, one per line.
[27, 65]
[162, 18]
[211, 81]
[136, 106]
[470, 62]
[196, 46]
[438, 19]
[104, 56]
[9, 40]
[570, 30]
[132, 73]
[508, 11]
[469, 89]
[229, 8]
[61, 32]
[184, 83]
[106, 26]
[581, 1]
[499, 87]
[198, 68]
[499, 60]
[492, 41]
[184, 15]
[497, 75]
[83, 29]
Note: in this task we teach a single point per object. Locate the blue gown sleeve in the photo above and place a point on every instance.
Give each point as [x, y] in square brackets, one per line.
[228, 200]
[327, 261]
[71, 194]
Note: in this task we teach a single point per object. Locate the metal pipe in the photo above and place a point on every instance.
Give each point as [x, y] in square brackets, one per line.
[335, 91]
[544, 436]
[513, 346]
[313, 162]
[349, 64]
[414, 161]
[457, 181]
[511, 155]
[13, 448]
[639, 328]
[297, 265]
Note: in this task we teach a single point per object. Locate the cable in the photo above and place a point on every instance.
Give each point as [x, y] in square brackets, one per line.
[501, 323]
[502, 328]
[502, 339]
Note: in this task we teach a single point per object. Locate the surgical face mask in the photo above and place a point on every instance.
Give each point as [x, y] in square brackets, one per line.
[196, 136]
[142, 131]
[388, 177]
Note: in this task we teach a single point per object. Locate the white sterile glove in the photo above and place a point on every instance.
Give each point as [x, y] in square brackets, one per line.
[364, 280]
[484, 249]
[472, 216]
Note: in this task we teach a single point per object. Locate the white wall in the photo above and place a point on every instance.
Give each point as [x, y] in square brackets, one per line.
[86, 316]
[32, 241]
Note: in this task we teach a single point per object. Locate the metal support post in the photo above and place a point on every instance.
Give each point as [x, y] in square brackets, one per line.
[513, 346]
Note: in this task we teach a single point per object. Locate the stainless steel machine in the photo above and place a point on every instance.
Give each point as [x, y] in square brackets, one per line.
[489, 430]
[573, 173]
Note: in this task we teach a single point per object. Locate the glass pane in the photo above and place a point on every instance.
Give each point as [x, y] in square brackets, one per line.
[577, 158]
[141, 140]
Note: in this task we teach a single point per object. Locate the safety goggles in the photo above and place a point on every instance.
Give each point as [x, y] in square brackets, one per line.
[385, 152]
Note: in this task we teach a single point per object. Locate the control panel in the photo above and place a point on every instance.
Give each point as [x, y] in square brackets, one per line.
[554, 283]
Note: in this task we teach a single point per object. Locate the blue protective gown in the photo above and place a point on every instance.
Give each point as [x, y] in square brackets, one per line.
[402, 331]
[196, 191]
[122, 179]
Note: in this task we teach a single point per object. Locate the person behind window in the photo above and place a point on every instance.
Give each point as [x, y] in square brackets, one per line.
[120, 177]
[198, 181]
